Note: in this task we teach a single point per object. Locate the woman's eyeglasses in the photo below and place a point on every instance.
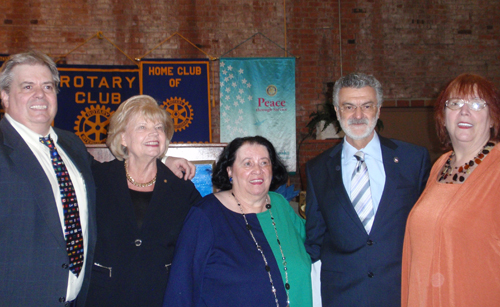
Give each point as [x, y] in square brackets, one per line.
[475, 104]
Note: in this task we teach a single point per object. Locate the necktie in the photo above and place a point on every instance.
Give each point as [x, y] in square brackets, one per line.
[361, 195]
[72, 226]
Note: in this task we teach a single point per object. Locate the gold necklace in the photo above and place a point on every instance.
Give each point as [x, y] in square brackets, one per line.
[137, 184]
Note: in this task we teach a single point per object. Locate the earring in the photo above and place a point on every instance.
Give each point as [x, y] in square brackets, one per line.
[231, 180]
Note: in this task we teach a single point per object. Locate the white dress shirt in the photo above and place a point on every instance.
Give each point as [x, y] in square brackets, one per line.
[374, 163]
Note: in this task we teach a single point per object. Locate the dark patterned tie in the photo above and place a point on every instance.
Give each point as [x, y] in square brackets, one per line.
[72, 226]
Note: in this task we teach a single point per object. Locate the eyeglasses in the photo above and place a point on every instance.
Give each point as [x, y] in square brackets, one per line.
[365, 108]
[475, 104]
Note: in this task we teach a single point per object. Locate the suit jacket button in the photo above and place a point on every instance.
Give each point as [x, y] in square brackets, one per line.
[65, 266]
[369, 242]
[370, 274]
[138, 242]
[62, 299]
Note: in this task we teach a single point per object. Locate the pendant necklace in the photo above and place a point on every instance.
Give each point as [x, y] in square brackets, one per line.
[259, 248]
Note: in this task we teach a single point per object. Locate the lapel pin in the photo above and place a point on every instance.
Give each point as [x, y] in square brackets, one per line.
[396, 160]
[165, 180]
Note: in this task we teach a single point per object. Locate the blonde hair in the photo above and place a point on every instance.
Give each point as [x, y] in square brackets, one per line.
[140, 105]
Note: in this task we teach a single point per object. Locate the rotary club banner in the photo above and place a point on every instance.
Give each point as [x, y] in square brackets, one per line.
[89, 95]
[257, 97]
[182, 87]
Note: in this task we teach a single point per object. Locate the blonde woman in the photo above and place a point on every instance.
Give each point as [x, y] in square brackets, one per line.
[141, 206]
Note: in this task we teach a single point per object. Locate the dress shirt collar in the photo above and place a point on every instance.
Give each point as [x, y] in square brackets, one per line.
[371, 150]
[27, 134]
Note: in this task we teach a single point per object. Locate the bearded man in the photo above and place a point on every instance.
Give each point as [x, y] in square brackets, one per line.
[359, 195]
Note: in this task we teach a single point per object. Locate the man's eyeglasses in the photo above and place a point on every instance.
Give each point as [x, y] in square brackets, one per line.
[365, 108]
[475, 104]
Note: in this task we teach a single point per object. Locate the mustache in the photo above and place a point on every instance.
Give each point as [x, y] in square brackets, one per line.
[355, 121]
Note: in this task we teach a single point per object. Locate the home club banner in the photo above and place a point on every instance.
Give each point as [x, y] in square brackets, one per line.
[89, 95]
[257, 97]
[182, 87]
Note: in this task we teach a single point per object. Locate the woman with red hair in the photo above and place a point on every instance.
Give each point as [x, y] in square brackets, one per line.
[451, 253]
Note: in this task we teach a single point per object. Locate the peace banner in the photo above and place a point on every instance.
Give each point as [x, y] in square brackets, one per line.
[257, 97]
[182, 87]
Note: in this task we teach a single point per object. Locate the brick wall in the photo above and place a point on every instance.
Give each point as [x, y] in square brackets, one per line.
[413, 47]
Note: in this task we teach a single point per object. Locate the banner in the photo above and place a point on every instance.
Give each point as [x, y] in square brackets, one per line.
[257, 97]
[89, 95]
[182, 87]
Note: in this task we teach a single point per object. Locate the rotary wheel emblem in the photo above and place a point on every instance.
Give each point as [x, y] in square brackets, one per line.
[271, 90]
[181, 112]
[92, 124]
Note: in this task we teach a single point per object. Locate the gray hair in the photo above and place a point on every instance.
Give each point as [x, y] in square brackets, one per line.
[31, 57]
[357, 80]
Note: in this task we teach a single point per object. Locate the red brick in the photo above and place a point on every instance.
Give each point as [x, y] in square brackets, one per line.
[402, 103]
[413, 61]
[417, 103]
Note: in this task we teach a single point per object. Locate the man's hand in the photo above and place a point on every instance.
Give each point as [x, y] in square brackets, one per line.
[181, 167]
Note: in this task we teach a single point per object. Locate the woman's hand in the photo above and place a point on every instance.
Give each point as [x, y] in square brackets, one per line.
[181, 167]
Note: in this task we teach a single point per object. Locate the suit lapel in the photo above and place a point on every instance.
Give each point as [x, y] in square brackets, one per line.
[27, 164]
[163, 194]
[123, 206]
[391, 169]
[341, 195]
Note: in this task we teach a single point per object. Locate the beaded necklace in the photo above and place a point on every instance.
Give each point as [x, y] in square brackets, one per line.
[466, 169]
[259, 248]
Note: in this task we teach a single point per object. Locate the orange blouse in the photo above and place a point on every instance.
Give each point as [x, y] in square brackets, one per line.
[451, 253]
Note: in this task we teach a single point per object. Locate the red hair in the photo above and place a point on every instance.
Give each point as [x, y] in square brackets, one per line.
[465, 86]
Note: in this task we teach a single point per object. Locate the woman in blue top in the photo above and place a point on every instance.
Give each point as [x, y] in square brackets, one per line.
[243, 246]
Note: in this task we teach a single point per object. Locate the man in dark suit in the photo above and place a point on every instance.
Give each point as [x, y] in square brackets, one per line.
[34, 260]
[359, 195]
[38, 266]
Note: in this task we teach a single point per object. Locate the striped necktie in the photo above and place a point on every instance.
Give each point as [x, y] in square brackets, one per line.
[72, 226]
[361, 195]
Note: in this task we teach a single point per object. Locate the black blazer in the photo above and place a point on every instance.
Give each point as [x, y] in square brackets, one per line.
[131, 265]
[32, 245]
[360, 269]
